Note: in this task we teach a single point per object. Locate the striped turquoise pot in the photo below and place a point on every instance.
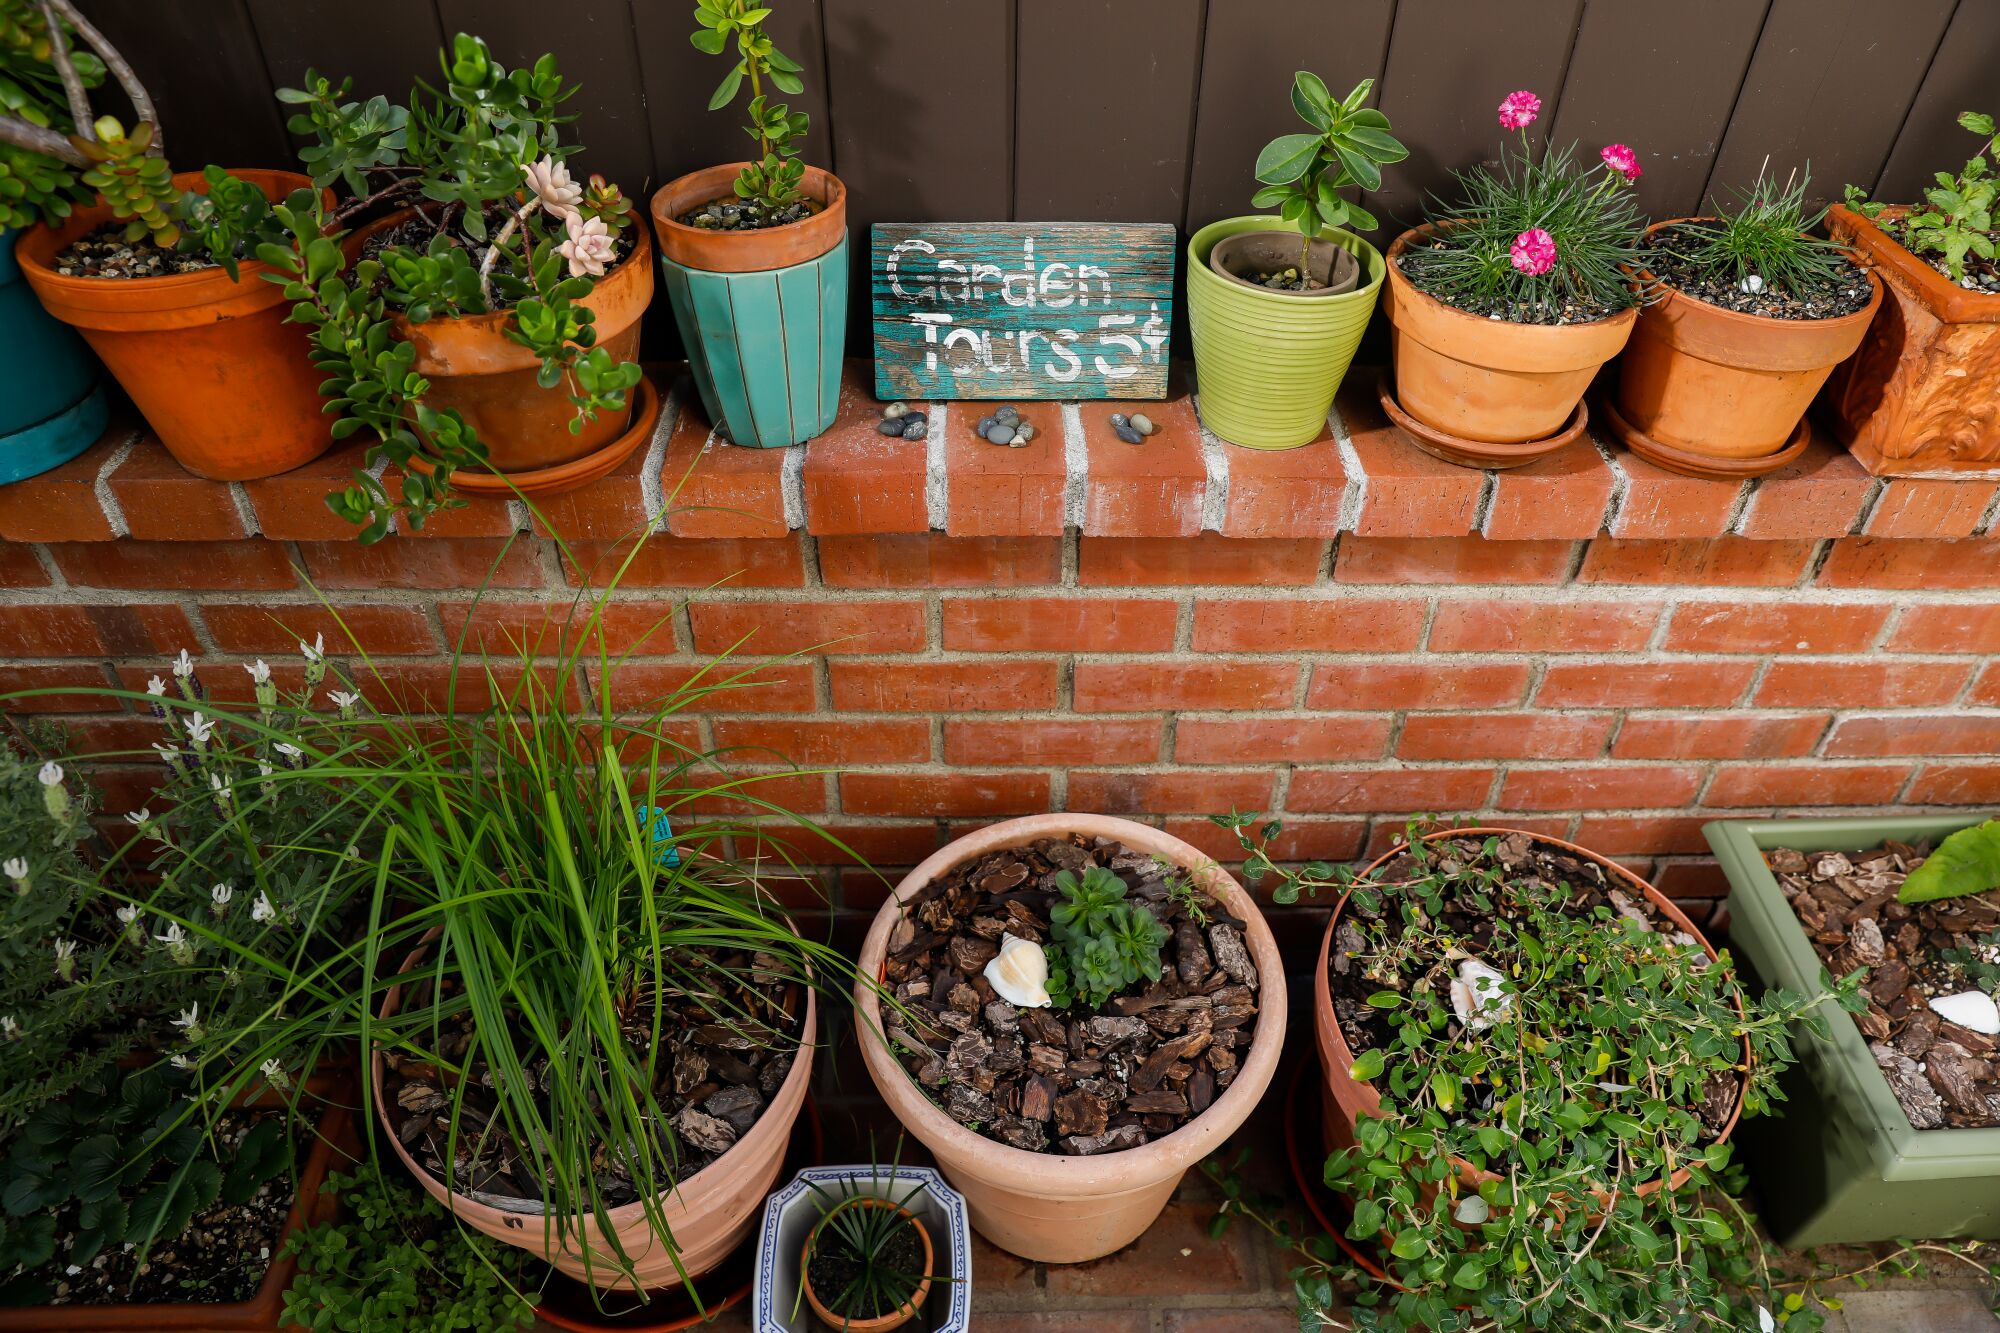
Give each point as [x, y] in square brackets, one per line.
[51, 406]
[765, 348]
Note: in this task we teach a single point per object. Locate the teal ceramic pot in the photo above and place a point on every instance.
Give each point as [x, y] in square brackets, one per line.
[51, 406]
[765, 348]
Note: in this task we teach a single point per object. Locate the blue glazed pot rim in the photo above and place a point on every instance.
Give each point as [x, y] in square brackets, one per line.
[51, 442]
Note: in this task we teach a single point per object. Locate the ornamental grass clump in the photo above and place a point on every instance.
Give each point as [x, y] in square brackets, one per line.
[1760, 256]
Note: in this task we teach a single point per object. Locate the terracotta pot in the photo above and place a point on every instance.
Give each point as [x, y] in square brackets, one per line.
[1922, 394]
[1486, 379]
[881, 1323]
[473, 366]
[709, 1213]
[1043, 1206]
[1719, 383]
[746, 251]
[219, 375]
[1345, 1099]
[1242, 256]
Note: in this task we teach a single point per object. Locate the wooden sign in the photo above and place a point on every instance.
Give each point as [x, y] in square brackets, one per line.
[1022, 309]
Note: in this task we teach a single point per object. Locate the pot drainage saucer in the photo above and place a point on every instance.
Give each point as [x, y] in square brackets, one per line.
[565, 476]
[1478, 453]
[1691, 464]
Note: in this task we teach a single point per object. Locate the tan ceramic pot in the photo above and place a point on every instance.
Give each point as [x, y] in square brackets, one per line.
[746, 251]
[1486, 379]
[1724, 384]
[880, 1323]
[1044, 1206]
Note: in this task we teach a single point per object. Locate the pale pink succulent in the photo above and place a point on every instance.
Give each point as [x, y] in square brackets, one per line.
[1621, 159]
[1518, 110]
[1533, 252]
[590, 248]
[549, 181]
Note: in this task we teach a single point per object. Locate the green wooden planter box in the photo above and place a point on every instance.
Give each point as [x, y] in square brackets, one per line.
[51, 406]
[1842, 1164]
[765, 348]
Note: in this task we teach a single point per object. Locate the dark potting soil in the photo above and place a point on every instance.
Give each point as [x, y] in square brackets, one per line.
[1672, 245]
[1520, 858]
[1981, 274]
[1068, 1081]
[417, 231]
[1411, 265]
[723, 1060]
[732, 214]
[1944, 1075]
[105, 253]
[833, 1267]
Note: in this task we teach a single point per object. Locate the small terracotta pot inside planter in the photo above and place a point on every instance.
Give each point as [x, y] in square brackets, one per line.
[1488, 380]
[1722, 384]
[880, 1323]
[746, 251]
[222, 379]
[1921, 396]
[1240, 258]
[1043, 1206]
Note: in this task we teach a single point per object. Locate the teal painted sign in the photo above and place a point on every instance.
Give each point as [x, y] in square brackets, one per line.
[1022, 309]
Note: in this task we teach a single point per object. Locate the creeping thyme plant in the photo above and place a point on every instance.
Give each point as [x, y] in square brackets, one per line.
[1303, 174]
[769, 184]
[1956, 218]
[1548, 1051]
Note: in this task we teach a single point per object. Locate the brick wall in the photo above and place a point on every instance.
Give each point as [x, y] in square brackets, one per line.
[1345, 633]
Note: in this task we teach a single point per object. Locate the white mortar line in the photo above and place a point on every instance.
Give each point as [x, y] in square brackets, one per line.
[937, 485]
[792, 486]
[1621, 486]
[1489, 491]
[245, 511]
[1356, 494]
[113, 514]
[652, 482]
[1989, 522]
[1076, 468]
[1878, 491]
[1215, 462]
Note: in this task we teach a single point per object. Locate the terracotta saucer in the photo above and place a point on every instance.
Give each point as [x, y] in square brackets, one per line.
[564, 476]
[1690, 464]
[1478, 453]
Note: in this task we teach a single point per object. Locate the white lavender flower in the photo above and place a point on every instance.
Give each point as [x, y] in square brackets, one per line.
[137, 818]
[9, 1029]
[264, 769]
[290, 751]
[274, 1074]
[199, 728]
[344, 701]
[179, 947]
[51, 774]
[258, 671]
[189, 1022]
[156, 687]
[66, 959]
[55, 798]
[315, 661]
[261, 910]
[218, 898]
[314, 651]
[223, 792]
[169, 754]
[16, 869]
[129, 913]
[179, 1061]
[183, 665]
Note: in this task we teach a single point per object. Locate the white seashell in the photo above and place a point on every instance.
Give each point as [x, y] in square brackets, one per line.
[1020, 973]
[1472, 1210]
[1476, 997]
[1970, 1009]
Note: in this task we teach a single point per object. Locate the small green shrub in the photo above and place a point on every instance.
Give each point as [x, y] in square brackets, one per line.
[1102, 943]
[1956, 217]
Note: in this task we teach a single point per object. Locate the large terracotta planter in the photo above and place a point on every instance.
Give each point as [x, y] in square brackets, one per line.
[1922, 394]
[1484, 379]
[1722, 384]
[1044, 1206]
[219, 375]
[1345, 1099]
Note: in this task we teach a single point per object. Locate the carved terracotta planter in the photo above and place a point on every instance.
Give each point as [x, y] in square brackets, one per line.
[1922, 395]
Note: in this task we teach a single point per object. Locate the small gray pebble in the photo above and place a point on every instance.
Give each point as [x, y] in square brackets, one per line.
[913, 428]
[895, 410]
[1007, 413]
[985, 424]
[1023, 433]
[1143, 424]
[921, 418]
[1127, 434]
[1019, 437]
[1000, 433]
[889, 426]
[1119, 420]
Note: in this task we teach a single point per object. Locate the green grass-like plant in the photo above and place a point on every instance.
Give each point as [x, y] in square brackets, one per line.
[1768, 234]
[858, 1226]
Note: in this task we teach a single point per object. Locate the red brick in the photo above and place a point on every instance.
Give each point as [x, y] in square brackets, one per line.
[1059, 624]
[1450, 560]
[1729, 561]
[1325, 625]
[1388, 790]
[878, 740]
[715, 489]
[1810, 784]
[163, 501]
[1504, 736]
[1913, 734]
[1917, 507]
[1153, 489]
[1947, 629]
[1733, 735]
[1819, 494]
[250, 565]
[1870, 562]
[995, 491]
[1985, 691]
[406, 562]
[1691, 879]
[279, 627]
[1299, 840]
[1004, 685]
[65, 677]
[1159, 1263]
[417, 685]
[1644, 684]
[1062, 742]
[859, 480]
[1280, 740]
[613, 506]
[923, 560]
[1772, 627]
[1659, 503]
[954, 793]
[1648, 835]
[1205, 791]
[731, 685]
[1955, 784]
[1496, 626]
[504, 628]
[838, 844]
[748, 793]
[796, 627]
[1202, 559]
[1407, 493]
[1192, 685]
[1603, 787]
[1565, 495]
[61, 505]
[1426, 684]
[1869, 682]
[1237, 1319]
[20, 569]
[1285, 492]
[291, 506]
[689, 562]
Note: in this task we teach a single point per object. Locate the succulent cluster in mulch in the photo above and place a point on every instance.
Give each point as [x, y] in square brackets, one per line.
[717, 1076]
[1671, 264]
[105, 253]
[417, 231]
[1070, 1081]
[1944, 1075]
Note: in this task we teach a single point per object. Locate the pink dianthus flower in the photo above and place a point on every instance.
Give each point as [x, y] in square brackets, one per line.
[1518, 110]
[1533, 252]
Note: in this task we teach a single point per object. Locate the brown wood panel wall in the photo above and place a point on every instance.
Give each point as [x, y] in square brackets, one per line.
[1964, 75]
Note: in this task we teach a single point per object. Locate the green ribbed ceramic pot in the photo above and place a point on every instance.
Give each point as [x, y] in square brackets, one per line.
[1267, 365]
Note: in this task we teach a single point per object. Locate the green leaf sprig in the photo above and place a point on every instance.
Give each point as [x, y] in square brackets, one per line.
[1956, 217]
[771, 181]
[1965, 863]
[1303, 174]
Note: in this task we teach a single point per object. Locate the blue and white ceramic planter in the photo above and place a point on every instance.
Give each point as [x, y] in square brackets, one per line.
[765, 347]
[51, 405]
[790, 1213]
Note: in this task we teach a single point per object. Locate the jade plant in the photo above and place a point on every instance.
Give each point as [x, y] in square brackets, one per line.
[1956, 217]
[769, 184]
[1303, 174]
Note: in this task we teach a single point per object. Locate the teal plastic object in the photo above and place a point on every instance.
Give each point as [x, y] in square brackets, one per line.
[765, 348]
[1840, 1163]
[51, 408]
